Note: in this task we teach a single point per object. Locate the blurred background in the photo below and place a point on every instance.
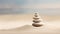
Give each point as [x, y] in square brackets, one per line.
[16, 13]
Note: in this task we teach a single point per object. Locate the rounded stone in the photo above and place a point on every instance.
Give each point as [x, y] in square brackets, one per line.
[37, 25]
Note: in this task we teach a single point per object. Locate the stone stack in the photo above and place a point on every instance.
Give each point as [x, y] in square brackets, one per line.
[36, 21]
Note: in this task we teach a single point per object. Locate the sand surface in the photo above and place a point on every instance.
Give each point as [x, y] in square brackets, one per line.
[21, 24]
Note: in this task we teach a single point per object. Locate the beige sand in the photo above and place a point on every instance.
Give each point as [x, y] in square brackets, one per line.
[21, 24]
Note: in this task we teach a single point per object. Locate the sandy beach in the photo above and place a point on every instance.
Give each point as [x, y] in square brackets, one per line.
[21, 24]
